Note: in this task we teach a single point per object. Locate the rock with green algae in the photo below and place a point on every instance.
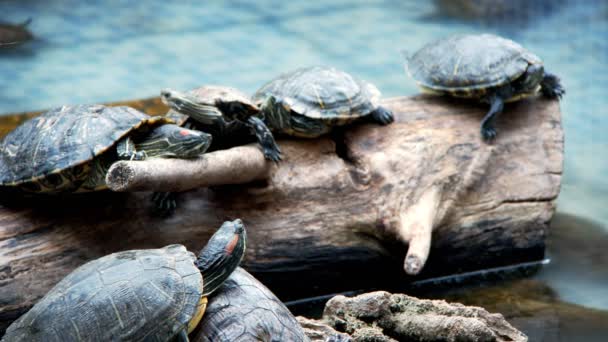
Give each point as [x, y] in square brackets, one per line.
[381, 316]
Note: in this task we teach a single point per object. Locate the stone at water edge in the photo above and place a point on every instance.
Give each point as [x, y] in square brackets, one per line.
[381, 316]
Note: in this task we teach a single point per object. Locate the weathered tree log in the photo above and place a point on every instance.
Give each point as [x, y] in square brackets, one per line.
[334, 214]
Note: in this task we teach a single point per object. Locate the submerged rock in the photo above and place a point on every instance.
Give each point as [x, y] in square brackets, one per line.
[381, 316]
[318, 331]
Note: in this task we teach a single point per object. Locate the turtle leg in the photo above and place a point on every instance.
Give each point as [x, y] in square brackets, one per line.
[551, 86]
[383, 116]
[125, 149]
[488, 129]
[265, 139]
[164, 202]
[182, 336]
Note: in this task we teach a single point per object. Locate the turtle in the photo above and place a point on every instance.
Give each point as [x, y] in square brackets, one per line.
[306, 103]
[225, 134]
[13, 35]
[243, 309]
[136, 295]
[70, 148]
[484, 67]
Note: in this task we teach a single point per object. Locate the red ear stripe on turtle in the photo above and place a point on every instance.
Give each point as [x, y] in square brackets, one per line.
[230, 246]
[184, 132]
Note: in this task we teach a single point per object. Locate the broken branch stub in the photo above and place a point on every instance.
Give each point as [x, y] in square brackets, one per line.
[237, 165]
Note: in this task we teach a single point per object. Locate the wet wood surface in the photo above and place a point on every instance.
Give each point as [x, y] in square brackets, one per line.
[336, 214]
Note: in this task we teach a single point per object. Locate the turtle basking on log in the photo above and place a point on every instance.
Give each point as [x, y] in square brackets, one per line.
[69, 149]
[306, 102]
[484, 67]
[243, 309]
[152, 295]
[13, 35]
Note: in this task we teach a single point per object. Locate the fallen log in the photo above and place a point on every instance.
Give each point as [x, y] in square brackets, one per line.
[335, 214]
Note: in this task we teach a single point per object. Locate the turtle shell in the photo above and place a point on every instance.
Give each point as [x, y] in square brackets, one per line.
[322, 93]
[212, 95]
[469, 65]
[243, 309]
[132, 295]
[65, 138]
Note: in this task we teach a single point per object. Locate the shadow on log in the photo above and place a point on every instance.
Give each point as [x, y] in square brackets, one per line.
[334, 214]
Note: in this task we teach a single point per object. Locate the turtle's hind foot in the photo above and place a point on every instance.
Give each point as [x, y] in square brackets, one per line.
[551, 86]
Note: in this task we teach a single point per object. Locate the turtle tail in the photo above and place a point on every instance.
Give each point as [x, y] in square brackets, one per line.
[222, 255]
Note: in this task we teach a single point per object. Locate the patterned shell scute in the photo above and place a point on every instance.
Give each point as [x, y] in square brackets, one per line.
[322, 93]
[211, 94]
[63, 138]
[469, 62]
[245, 310]
[133, 295]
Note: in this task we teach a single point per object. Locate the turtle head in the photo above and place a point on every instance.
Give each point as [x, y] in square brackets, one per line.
[173, 141]
[530, 80]
[201, 111]
[222, 254]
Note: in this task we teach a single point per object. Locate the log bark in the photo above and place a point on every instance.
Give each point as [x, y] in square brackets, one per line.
[334, 214]
[238, 165]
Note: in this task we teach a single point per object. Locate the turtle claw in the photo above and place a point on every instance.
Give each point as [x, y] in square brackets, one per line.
[551, 87]
[383, 116]
[273, 154]
[141, 155]
[488, 134]
[165, 203]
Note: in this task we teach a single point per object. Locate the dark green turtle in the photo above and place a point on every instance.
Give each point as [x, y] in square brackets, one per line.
[225, 134]
[137, 295]
[484, 67]
[69, 149]
[13, 35]
[243, 309]
[306, 102]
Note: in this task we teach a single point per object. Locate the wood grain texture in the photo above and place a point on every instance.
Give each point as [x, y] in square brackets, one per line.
[334, 214]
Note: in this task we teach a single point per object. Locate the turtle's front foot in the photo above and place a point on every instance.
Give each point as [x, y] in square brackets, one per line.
[488, 133]
[383, 116]
[164, 202]
[265, 138]
[551, 86]
[272, 152]
[139, 155]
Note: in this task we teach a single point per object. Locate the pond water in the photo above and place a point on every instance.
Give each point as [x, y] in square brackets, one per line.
[99, 51]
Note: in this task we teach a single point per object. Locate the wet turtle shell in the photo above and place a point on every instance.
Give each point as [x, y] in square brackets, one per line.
[217, 95]
[322, 93]
[225, 134]
[163, 287]
[243, 309]
[53, 152]
[455, 66]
